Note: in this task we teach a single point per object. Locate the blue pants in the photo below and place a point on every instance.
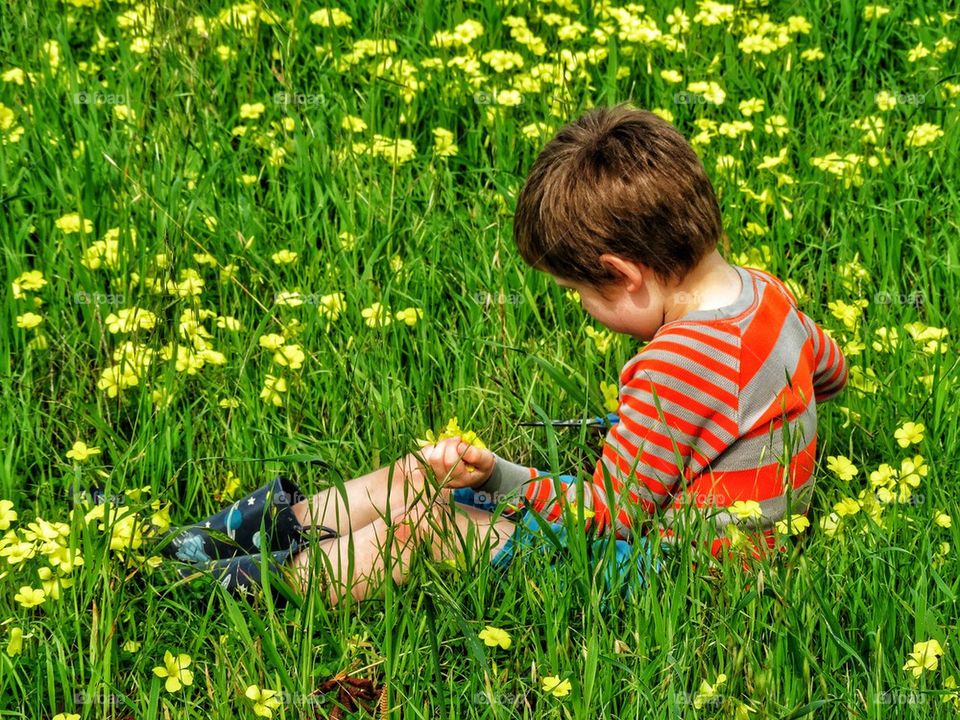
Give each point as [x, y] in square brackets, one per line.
[632, 571]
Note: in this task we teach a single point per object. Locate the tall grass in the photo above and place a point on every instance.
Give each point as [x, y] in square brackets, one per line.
[824, 632]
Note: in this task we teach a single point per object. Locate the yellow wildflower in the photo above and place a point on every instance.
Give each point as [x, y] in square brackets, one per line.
[492, 637]
[290, 356]
[29, 597]
[910, 433]
[29, 320]
[924, 657]
[264, 702]
[555, 686]
[15, 643]
[611, 396]
[409, 315]
[707, 692]
[376, 315]
[80, 451]
[842, 467]
[746, 509]
[173, 669]
[70, 223]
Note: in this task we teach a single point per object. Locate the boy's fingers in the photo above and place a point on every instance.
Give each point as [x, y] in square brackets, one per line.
[451, 456]
[478, 456]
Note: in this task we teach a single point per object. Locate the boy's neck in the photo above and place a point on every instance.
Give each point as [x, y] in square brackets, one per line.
[713, 283]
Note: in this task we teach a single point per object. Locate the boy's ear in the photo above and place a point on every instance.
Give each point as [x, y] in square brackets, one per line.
[627, 271]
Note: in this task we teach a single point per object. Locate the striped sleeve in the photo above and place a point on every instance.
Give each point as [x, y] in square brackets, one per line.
[678, 411]
[830, 366]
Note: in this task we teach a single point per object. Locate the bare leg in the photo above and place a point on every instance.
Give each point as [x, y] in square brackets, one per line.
[427, 522]
[378, 494]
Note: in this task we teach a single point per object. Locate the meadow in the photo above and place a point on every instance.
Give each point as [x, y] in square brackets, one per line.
[247, 239]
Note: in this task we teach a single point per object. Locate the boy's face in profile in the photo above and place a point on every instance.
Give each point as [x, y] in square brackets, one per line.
[637, 303]
[622, 307]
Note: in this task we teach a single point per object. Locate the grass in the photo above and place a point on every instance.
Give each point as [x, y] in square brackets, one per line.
[825, 633]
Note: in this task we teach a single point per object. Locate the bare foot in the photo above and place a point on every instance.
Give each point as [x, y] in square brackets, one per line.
[355, 564]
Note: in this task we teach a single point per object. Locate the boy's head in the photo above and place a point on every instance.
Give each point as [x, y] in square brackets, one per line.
[617, 181]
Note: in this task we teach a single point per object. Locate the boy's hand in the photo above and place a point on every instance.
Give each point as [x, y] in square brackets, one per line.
[458, 465]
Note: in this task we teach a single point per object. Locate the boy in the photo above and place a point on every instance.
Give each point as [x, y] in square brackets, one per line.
[718, 410]
[712, 410]
[723, 398]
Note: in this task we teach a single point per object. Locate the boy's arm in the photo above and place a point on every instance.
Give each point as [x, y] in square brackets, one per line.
[829, 364]
[658, 420]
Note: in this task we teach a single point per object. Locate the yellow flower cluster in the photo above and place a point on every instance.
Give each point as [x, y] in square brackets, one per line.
[10, 132]
[27, 282]
[602, 339]
[451, 430]
[38, 539]
[396, 151]
[106, 251]
[887, 485]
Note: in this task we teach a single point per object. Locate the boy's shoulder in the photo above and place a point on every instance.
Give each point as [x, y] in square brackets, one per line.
[699, 341]
[779, 284]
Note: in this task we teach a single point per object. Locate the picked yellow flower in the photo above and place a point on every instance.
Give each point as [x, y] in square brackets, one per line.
[493, 636]
[173, 669]
[450, 431]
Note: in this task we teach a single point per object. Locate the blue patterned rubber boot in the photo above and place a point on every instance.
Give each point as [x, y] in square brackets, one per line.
[235, 530]
[242, 575]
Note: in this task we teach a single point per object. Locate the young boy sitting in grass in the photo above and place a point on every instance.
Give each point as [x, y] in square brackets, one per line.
[717, 412]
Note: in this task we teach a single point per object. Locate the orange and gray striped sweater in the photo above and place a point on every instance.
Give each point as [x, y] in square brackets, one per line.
[712, 410]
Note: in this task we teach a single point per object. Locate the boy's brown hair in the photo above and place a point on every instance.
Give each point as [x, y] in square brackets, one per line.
[617, 180]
